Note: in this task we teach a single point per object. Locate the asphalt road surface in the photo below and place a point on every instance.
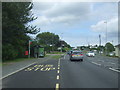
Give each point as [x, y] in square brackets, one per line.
[62, 73]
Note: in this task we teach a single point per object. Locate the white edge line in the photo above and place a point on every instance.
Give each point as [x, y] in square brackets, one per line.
[96, 63]
[17, 71]
[114, 70]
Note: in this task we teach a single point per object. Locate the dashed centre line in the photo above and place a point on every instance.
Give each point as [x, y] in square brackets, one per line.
[96, 63]
[58, 68]
[58, 71]
[57, 86]
[58, 77]
[64, 56]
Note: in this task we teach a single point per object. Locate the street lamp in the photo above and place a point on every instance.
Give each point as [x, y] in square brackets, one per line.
[61, 42]
[106, 35]
[106, 30]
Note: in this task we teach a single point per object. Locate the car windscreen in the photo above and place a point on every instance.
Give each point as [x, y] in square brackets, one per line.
[77, 53]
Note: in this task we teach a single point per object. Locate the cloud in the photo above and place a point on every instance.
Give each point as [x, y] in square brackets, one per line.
[112, 29]
[73, 18]
[101, 11]
[66, 13]
[64, 9]
[111, 25]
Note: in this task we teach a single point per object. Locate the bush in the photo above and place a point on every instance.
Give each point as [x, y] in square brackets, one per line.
[8, 52]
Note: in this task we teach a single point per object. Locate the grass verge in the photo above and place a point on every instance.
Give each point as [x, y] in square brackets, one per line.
[19, 60]
[47, 55]
[0, 64]
[56, 56]
[16, 60]
[56, 53]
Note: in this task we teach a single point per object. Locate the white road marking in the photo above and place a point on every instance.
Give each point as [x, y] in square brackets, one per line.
[17, 71]
[57, 86]
[96, 63]
[58, 77]
[20, 69]
[114, 70]
[64, 56]
[58, 71]
[58, 68]
[59, 62]
[100, 60]
[112, 63]
[37, 69]
[53, 68]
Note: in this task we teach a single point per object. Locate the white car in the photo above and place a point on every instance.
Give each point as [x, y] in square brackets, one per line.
[111, 54]
[90, 54]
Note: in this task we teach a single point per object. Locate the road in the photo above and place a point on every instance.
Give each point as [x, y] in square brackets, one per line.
[62, 73]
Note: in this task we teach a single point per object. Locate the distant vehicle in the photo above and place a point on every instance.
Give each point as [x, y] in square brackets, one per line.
[111, 54]
[76, 55]
[90, 54]
[69, 52]
[101, 52]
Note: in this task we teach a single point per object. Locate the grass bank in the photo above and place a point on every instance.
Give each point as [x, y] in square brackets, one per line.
[56, 56]
[56, 53]
[0, 64]
[16, 60]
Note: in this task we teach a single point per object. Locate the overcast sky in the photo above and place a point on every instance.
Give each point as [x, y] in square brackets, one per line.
[78, 23]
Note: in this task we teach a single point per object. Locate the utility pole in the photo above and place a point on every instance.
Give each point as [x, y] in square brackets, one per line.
[106, 30]
[99, 40]
[100, 43]
[29, 48]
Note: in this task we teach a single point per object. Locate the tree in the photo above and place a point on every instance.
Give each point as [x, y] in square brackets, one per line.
[50, 41]
[100, 48]
[15, 19]
[47, 38]
[62, 43]
[109, 47]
